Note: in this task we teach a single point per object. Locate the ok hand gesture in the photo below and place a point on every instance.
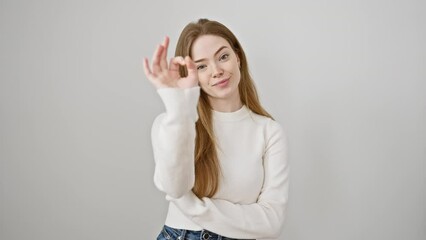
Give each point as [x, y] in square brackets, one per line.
[165, 75]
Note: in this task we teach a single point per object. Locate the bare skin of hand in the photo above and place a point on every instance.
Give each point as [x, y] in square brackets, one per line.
[166, 75]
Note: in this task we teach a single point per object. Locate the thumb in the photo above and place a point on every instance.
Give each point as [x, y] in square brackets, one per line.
[190, 65]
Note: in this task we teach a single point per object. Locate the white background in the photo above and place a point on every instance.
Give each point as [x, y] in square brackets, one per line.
[346, 79]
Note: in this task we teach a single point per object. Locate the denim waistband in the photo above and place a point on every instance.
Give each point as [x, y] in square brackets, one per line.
[170, 233]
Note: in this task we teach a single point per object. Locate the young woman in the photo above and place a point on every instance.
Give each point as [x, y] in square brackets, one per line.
[220, 158]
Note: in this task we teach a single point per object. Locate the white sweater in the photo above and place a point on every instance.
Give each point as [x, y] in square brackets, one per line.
[252, 150]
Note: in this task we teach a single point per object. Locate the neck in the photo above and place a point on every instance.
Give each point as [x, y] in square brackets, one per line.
[226, 105]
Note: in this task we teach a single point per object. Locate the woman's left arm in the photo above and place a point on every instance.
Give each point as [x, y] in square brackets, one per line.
[263, 219]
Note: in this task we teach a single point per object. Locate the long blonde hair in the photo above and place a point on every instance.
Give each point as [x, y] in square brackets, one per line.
[207, 167]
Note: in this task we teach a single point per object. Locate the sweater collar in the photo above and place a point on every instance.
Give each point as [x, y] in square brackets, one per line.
[231, 116]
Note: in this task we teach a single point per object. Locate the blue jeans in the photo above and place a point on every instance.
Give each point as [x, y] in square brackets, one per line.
[169, 233]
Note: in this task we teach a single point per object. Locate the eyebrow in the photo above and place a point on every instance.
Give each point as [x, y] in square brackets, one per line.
[220, 49]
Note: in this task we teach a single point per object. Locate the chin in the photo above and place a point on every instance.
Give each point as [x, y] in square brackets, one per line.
[223, 94]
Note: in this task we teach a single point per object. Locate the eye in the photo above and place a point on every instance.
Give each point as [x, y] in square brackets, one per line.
[224, 56]
[201, 67]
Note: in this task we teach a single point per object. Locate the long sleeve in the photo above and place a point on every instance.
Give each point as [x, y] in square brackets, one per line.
[173, 141]
[262, 219]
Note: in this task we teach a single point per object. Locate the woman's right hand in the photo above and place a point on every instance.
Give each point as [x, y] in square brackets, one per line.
[165, 75]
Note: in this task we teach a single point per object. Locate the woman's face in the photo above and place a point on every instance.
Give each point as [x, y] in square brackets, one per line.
[217, 66]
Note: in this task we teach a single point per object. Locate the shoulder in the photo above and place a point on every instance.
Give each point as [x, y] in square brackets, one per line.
[268, 123]
[158, 118]
[272, 129]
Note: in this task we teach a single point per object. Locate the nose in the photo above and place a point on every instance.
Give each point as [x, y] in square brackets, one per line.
[217, 72]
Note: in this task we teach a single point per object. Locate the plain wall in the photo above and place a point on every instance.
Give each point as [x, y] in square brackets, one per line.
[346, 79]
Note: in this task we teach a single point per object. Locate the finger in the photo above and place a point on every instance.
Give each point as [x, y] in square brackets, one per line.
[190, 64]
[192, 68]
[166, 42]
[147, 70]
[156, 67]
[174, 66]
[165, 45]
[176, 62]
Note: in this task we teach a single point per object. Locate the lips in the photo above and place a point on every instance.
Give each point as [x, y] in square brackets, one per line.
[221, 81]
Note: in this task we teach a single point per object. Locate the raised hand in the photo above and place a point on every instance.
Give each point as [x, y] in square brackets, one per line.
[165, 75]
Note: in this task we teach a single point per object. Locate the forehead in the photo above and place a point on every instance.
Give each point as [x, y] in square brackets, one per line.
[205, 46]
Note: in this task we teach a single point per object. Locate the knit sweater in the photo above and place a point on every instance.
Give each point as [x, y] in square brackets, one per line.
[254, 180]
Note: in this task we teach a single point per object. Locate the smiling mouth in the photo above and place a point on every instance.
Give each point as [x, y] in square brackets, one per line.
[224, 80]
